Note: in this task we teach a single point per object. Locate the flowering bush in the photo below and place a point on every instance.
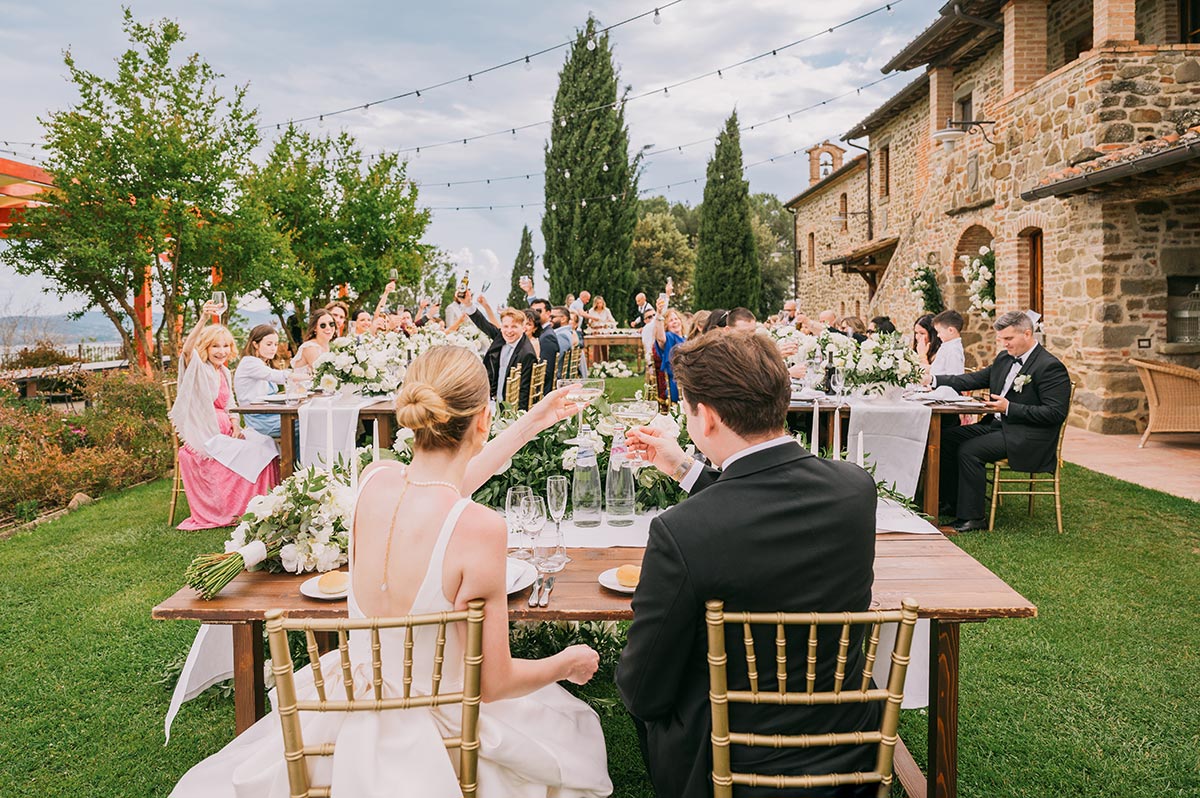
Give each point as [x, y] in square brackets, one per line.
[923, 285]
[610, 368]
[980, 276]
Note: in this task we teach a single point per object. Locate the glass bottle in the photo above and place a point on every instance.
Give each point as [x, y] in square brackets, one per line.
[585, 488]
[620, 484]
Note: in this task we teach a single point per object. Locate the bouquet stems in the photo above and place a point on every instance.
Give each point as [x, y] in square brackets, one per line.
[210, 573]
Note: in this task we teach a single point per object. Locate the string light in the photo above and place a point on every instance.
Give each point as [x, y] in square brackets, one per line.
[657, 17]
[528, 64]
[591, 43]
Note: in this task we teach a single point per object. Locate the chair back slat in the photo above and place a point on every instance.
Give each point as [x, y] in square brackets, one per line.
[512, 385]
[376, 664]
[439, 654]
[751, 660]
[537, 384]
[314, 657]
[720, 696]
[347, 671]
[469, 697]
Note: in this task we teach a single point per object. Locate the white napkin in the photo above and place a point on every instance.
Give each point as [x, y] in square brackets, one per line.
[513, 571]
[209, 661]
[941, 392]
[891, 517]
[894, 436]
[246, 456]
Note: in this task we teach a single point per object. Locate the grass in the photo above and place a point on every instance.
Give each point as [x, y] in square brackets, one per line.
[1096, 696]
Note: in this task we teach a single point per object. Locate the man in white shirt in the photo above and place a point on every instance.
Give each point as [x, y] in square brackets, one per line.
[643, 307]
[949, 358]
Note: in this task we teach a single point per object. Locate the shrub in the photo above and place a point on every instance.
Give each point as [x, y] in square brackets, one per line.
[40, 355]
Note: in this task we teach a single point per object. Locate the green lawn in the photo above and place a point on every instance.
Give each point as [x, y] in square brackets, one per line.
[1094, 697]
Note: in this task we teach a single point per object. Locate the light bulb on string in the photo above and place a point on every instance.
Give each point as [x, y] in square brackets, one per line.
[528, 64]
[470, 81]
[720, 75]
[591, 43]
[605, 167]
[657, 17]
[321, 121]
[514, 132]
[666, 93]
[366, 109]
[420, 99]
[891, 11]
[553, 206]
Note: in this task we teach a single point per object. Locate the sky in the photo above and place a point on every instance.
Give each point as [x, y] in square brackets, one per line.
[301, 58]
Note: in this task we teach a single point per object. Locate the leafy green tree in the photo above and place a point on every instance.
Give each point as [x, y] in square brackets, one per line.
[687, 219]
[523, 265]
[146, 165]
[591, 182]
[661, 251]
[773, 237]
[727, 268]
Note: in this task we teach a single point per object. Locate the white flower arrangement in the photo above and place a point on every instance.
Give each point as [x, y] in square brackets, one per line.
[374, 365]
[923, 285]
[980, 276]
[610, 368]
[884, 360]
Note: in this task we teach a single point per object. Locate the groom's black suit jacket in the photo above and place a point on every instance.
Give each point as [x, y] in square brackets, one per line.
[780, 530]
[1036, 412]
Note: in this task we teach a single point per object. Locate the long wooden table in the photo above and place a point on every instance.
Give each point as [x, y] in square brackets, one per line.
[950, 586]
[383, 412]
[595, 342]
[933, 444]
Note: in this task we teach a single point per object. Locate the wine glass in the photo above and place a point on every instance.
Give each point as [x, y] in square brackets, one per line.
[635, 414]
[533, 521]
[546, 544]
[582, 392]
[218, 298]
[837, 381]
[557, 488]
[514, 513]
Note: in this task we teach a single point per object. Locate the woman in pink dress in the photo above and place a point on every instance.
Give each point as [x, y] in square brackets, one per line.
[222, 465]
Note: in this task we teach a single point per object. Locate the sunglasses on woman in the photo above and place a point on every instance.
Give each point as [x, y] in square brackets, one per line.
[326, 325]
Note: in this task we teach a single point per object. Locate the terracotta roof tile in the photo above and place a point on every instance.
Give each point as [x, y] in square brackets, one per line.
[1131, 153]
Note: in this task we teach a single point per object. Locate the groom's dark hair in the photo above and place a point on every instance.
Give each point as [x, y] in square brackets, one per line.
[740, 375]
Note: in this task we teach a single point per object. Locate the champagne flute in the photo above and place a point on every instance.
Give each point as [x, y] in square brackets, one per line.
[635, 414]
[557, 488]
[582, 392]
[514, 513]
[533, 512]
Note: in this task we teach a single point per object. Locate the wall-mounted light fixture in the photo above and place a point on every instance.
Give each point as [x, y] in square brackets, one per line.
[954, 131]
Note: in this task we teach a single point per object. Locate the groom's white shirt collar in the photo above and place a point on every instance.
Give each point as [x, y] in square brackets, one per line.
[689, 480]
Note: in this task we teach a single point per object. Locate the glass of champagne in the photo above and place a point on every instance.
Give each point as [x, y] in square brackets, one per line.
[557, 489]
[218, 298]
[582, 392]
[635, 414]
[837, 381]
[514, 514]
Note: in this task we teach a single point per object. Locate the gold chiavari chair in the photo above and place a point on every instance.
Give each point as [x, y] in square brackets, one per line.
[1045, 485]
[720, 696]
[562, 369]
[576, 358]
[537, 384]
[296, 753]
[169, 387]
[512, 386]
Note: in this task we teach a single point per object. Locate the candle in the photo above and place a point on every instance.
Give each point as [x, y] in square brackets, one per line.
[814, 438]
[859, 458]
[837, 432]
[329, 434]
[354, 472]
[375, 444]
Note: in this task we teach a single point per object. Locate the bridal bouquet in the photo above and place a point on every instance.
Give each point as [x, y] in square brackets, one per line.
[882, 361]
[302, 525]
[370, 364]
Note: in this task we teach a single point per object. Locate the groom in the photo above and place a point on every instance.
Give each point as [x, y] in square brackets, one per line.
[777, 529]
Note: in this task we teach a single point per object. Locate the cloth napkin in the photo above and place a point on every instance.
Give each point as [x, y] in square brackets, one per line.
[315, 417]
[940, 392]
[916, 679]
[246, 456]
[806, 394]
[894, 435]
[513, 571]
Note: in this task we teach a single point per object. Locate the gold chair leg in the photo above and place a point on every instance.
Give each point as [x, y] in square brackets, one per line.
[1058, 501]
[1031, 495]
[995, 495]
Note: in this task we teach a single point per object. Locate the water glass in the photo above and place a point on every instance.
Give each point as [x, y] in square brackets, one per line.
[837, 381]
[514, 513]
[533, 519]
[549, 551]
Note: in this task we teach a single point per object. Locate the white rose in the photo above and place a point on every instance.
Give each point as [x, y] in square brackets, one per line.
[568, 458]
[291, 558]
[358, 371]
[984, 250]
[328, 383]
[326, 556]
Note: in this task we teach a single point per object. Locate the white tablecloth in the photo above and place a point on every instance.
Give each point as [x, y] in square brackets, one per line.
[330, 423]
[894, 435]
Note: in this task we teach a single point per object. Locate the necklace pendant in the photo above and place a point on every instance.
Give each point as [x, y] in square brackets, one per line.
[383, 587]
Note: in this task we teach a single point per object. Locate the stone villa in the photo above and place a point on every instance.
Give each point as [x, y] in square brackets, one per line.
[1084, 176]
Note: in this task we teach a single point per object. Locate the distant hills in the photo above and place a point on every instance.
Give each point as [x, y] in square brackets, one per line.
[17, 331]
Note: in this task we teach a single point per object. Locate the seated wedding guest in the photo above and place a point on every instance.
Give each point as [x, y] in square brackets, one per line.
[668, 333]
[826, 320]
[601, 316]
[548, 344]
[362, 321]
[340, 313]
[1030, 397]
[641, 308]
[255, 378]
[742, 319]
[925, 340]
[853, 327]
[950, 358]
[421, 546]
[699, 323]
[510, 348]
[533, 331]
[789, 312]
[718, 318]
[881, 324]
[560, 317]
[321, 330]
[778, 529]
[222, 466]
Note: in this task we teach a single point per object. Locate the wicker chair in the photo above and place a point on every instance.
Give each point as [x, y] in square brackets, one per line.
[1173, 394]
[169, 387]
[537, 384]
[296, 753]
[720, 696]
[1047, 485]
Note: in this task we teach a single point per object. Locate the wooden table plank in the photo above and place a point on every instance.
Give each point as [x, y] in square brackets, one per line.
[908, 772]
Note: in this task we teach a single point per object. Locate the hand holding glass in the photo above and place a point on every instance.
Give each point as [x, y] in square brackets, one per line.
[218, 299]
[635, 414]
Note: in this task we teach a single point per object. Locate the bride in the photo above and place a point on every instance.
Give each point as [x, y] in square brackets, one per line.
[420, 545]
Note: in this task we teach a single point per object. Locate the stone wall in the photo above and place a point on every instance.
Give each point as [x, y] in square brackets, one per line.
[818, 288]
[1103, 285]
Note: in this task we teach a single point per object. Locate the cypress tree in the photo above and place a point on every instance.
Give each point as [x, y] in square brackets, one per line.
[523, 265]
[591, 182]
[727, 269]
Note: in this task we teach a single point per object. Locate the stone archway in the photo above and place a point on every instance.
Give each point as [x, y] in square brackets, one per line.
[977, 344]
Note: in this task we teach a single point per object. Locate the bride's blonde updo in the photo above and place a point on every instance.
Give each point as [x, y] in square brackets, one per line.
[443, 390]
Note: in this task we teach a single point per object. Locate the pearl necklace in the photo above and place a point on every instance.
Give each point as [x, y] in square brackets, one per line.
[387, 551]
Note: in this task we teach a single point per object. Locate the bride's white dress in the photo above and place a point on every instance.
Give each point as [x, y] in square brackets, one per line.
[547, 744]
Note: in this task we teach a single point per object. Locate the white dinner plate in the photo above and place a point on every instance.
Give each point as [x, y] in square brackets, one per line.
[608, 579]
[277, 397]
[518, 574]
[310, 589]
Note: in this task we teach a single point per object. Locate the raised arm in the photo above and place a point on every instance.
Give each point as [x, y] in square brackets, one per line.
[391, 286]
[553, 408]
[189, 343]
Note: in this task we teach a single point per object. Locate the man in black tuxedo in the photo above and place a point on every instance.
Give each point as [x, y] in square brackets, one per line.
[778, 529]
[509, 349]
[547, 340]
[1030, 397]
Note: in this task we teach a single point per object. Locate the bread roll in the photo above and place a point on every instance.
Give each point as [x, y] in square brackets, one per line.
[629, 575]
[333, 582]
